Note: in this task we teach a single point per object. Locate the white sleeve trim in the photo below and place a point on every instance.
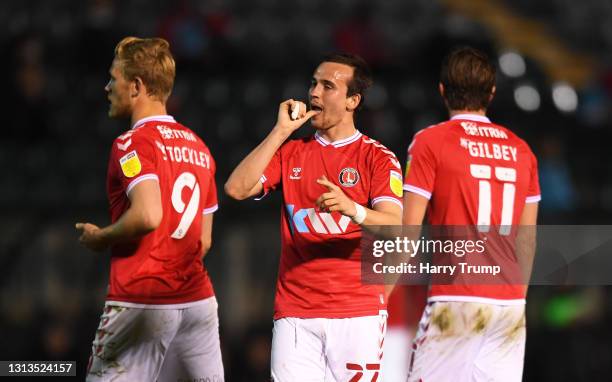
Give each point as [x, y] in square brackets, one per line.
[262, 180]
[533, 199]
[387, 199]
[419, 191]
[210, 210]
[134, 182]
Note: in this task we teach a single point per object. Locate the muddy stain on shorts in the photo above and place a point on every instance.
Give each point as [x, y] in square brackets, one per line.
[481, 319]
[443, 319]
[515, 331]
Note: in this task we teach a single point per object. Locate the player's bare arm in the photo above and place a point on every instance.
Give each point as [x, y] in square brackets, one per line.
[384, 213]
[244, 181]
[143, 216]
[413, 214]
[415, 207]
[206, 237]
[526, 240]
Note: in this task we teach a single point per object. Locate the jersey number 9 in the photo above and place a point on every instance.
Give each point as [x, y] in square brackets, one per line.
[186, 179]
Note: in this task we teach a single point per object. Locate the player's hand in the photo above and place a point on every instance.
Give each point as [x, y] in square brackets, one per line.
[335, 199]
[291, 108]
[90, 236]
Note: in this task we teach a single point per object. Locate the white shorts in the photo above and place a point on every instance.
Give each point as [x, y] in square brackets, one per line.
[136, 344]
[397, 353]
[468, 341]
[328, 349]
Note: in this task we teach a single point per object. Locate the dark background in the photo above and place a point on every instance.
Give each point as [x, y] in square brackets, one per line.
[235, 62]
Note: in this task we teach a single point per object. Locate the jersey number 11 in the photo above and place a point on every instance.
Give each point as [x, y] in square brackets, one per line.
[504, 174]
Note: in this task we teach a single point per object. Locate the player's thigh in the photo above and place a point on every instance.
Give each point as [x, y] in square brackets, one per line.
[130, 343]
[501, 357]
[354, 348]
[298, 350]
[195, 351]
[448, 341]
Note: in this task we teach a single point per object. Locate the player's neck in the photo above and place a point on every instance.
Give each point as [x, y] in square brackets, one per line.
[338, 132]
[148, 110]
[482, 112]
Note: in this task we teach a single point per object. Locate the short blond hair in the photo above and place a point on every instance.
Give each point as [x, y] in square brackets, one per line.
[149, 59]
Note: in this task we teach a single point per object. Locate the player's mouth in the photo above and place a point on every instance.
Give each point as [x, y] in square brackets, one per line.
[316, 108]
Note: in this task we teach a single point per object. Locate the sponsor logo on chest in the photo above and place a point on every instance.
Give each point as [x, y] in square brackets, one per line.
[321, 222]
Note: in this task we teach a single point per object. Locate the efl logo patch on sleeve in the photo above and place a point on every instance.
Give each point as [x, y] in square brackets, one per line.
[408, 165]
[130, 164]
[395, 182]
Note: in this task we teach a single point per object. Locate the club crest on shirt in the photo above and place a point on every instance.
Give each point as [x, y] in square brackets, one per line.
[348, 177]
[296, 173]
[130, 164]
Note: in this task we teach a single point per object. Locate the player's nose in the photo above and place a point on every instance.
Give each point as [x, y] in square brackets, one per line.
[314, 91]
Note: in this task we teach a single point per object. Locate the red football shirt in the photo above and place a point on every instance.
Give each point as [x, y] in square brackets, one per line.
[163, 267]
[320, 271]
[474, 173]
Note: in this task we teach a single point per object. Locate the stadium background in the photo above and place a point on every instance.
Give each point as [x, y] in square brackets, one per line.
[236, 62]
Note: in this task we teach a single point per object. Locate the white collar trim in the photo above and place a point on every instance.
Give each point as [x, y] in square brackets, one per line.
[338, 143]
[161, 118]
[472, 117]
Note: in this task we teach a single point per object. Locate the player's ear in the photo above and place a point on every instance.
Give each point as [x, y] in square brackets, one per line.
[353, 101]
[441, 89]
[493, 89]
[136, 87]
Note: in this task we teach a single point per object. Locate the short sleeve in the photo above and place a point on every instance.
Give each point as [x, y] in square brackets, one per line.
[271, 178]
[134, 158]
[420, 173]
[386, 179]
[533, 192]
[211, 203]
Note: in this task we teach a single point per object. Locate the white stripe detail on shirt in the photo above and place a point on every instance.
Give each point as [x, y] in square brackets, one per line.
[338, 143]
[315, 221]
[533, 199]
[160, 118]
[331, 225]
[419, 191]
[262, 180]
[348, 140]
[134, 182]
[482, 300]
[321, 140]
[472, 117]
[210, 210]
[387, 199]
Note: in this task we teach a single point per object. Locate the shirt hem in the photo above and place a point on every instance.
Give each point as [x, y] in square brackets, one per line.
[374, 311]
[478, 299]
[184, 305]
[158, 303]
